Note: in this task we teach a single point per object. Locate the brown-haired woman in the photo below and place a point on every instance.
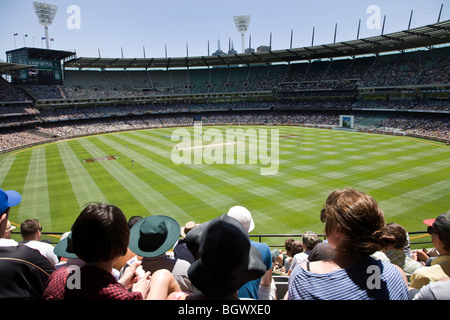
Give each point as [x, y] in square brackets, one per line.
[100, 236]
[355, 228]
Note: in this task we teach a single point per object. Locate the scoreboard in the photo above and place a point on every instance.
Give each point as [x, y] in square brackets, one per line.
[46, 65]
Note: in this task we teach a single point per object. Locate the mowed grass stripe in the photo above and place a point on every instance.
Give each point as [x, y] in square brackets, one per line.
[220, 199]
[239, 195]
[15, 180]
[161, 188]
[5, 166]
[109, 185]
[260, 199]
[61, 196]
[151, 200]
[15, 177]
[35, 198]
[292, 206]
[83, 185]
[411, 200]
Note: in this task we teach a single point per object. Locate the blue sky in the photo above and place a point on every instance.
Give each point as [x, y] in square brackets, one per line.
[129, 25]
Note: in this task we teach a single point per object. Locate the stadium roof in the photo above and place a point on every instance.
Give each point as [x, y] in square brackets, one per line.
[6, 68]
[429, 35]
[37, 53]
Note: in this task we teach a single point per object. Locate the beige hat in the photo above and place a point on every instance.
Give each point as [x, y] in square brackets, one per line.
[187, 227]
[9, 227]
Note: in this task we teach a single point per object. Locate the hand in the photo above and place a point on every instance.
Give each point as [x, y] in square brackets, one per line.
[130, 276]
[422, 255]
[143, 285]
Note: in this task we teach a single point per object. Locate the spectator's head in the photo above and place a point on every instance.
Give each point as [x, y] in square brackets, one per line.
[439, 229]
[133, 220]
[296, 247]
[242, 215]
[399, 233]
[30, 229]
[288, 244]
[322, 251]
[310, 239]
[8, 199]
[226, 259]
[100, 233]
[354, 223]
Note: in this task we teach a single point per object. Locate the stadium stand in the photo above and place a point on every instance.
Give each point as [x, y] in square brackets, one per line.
[399, 81]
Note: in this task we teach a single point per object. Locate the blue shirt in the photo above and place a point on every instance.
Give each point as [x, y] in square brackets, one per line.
[250, 289]
[371, 279]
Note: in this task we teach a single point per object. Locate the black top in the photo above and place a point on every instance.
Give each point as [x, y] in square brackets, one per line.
[24, 273]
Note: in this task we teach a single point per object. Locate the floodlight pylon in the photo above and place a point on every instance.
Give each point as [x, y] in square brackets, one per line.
[242, 23]
[45, 13]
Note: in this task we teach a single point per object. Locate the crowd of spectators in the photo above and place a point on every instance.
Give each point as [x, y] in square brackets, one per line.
[426, 105]
[316, 78]
[11, 138]
[9, 93]
[426, 126]
[45, 91]
[69, 122]
[107, 257]
[418, 68]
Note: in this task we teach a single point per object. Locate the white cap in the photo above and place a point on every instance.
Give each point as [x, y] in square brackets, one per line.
[242, 215]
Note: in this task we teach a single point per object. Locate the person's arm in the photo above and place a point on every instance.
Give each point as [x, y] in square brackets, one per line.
[266, 279]
[163, 285]
[403, 274]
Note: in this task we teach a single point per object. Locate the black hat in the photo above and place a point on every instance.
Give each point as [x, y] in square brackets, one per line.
[440, 225]
[226, 259]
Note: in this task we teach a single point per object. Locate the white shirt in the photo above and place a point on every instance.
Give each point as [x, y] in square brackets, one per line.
[299, 258]
[8, 242]
[46, 249]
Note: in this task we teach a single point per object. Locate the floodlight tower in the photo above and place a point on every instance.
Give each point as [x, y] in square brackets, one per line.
[46, 13]
[242, 23]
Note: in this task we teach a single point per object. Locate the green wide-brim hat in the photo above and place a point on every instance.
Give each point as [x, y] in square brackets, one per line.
[64, 248]
[154, 235]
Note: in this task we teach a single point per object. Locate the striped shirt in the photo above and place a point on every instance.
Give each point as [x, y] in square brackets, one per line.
[399, 258]
[371, 279]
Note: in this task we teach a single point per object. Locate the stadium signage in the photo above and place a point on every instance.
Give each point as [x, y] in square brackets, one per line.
[234, 147]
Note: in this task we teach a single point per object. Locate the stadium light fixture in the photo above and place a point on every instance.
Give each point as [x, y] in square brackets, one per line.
[242, 23]
[45, 13]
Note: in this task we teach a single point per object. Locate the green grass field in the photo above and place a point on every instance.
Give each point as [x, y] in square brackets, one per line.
[410, 178]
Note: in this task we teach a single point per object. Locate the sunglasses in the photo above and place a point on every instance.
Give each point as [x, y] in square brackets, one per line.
[323, 216]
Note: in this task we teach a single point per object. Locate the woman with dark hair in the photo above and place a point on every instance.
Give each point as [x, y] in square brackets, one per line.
[355, 227]
[100, 236]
